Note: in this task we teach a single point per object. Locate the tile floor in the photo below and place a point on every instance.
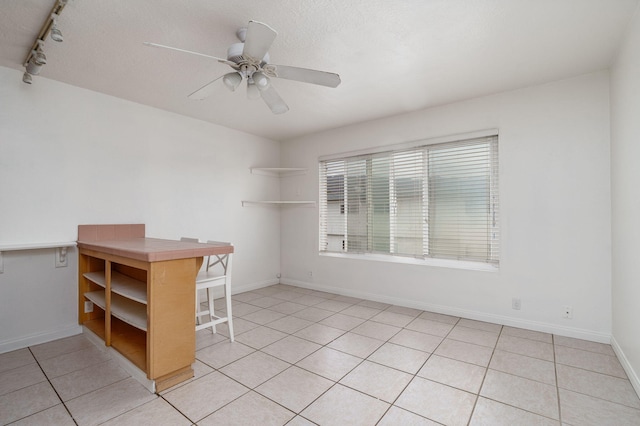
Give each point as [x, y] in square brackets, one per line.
[304, 357]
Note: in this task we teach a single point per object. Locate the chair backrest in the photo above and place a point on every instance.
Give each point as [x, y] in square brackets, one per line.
[219, 259]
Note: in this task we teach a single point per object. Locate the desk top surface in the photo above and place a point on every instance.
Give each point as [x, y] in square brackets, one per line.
[154, 249]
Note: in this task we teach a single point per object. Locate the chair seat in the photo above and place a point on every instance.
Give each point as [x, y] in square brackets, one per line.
[209, 277]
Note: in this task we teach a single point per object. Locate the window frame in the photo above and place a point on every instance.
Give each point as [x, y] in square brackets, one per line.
[493, 261]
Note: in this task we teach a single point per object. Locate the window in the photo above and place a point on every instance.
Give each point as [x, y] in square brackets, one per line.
[426, 201]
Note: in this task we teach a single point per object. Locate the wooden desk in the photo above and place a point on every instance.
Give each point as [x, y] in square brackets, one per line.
[143, 295]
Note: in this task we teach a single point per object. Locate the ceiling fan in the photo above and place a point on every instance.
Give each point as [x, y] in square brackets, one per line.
[250, 61]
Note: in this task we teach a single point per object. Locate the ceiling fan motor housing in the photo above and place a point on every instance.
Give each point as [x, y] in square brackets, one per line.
[234, 54]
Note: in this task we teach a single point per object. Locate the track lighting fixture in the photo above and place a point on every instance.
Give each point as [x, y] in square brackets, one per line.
[36, 58]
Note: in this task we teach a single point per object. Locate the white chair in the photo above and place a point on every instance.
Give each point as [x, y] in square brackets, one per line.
[217, 273]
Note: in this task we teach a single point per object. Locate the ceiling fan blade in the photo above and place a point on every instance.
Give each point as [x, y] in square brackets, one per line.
[205, 91]
[273, 100]
[258, 40]
[305, 75]
[224, 61]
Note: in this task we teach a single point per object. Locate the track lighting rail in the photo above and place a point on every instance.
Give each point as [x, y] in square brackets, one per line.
[33, 62]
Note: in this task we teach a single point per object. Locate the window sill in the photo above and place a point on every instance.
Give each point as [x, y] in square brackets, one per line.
[444, 263]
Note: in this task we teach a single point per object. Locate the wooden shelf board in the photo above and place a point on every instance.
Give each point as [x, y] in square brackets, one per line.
[127, 310]
[278, 171]
[121, 284]
[279, 202]
[97, 297]
[130, 342]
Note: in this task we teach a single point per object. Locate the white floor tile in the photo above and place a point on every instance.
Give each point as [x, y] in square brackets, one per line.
[250, 409]
[493, 413]
[584, 410]
[295, 388]
[378, 381]
[154, 413]
[437, 402]
[399, 357]
[529, 395]
[108, 402]
[202, 397]
[27, 401]
[343, 406]
[450, 372]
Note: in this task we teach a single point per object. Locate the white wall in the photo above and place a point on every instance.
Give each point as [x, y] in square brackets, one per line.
[70, 156]
[625, 194]
[555, 210]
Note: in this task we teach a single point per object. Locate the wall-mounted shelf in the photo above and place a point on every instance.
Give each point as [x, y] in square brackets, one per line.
[60, 256]
[275, 202]
[36, 246]
[278, 171]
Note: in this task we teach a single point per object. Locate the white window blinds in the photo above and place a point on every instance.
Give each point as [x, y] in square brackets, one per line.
[437, 200]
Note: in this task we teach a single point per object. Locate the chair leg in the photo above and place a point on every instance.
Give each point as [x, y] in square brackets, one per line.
[210, 302]
[197, 309]
[227, 296]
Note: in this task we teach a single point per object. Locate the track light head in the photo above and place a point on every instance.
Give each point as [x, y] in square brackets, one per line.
[39, 58]
[26, 78]
[33, 67]
[56, 34]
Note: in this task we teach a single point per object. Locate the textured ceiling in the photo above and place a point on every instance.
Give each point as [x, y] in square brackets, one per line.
[393, 56]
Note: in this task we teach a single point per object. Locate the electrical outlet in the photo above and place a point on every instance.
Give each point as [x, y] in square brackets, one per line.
[567, 312]
[515, 303]
[88, 306]
[61, 257]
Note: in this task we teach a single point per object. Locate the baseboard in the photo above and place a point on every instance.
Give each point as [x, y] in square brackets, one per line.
[253, 286]
[38, 338]
[577, 333]
[628, 368]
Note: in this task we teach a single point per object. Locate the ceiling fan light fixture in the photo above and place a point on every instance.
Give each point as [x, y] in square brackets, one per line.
[252, 91]
[26, 78]
[261, 81]
[232, 80]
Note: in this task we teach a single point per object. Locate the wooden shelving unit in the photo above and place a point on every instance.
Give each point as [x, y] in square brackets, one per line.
[143, 310]
[143, 293]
